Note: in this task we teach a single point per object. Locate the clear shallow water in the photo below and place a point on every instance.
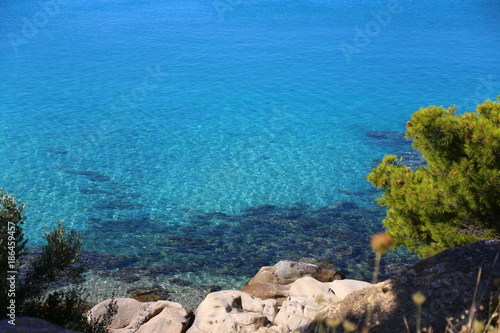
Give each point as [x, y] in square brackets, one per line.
[212, 141]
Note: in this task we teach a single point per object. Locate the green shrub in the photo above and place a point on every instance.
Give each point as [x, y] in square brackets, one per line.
[454, 199]
[35, 275]
[12, 243]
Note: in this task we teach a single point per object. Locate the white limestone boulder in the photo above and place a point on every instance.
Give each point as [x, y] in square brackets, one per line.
[233, 311]
[307, 296]
[158, 317]
[342, 288]
[286, 272]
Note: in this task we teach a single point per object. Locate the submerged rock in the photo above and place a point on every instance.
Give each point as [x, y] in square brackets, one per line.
[180, 282]
[92, 176]
[210, 289]
[149, 294]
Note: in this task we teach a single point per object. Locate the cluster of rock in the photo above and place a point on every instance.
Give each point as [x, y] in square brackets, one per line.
[279, 298]
[302, 297]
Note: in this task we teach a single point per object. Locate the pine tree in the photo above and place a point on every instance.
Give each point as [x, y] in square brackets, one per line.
[454, 199]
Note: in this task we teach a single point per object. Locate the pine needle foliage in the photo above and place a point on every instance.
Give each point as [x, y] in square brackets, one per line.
[12, 242]
[36, 275]
[454, 199]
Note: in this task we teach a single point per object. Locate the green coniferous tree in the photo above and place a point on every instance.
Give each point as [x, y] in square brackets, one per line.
[454, 199]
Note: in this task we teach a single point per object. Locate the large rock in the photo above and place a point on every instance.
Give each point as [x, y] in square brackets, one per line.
[308, 287]
[342, 288]
[273, 282]
[265, 290]
[307, 296]
[31, 325]
[233, 311]
[297, 312]
[447, 280]
[137, 317]
[286, 272]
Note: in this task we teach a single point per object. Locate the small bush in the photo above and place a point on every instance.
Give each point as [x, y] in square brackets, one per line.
[36, 275]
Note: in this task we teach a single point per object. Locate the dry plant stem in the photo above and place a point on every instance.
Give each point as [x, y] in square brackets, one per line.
[419, 318]
[472, 310]
[406, 325]
[492, 314]
[480, 298]
[449, 327]
[367, 326]
[378, 256]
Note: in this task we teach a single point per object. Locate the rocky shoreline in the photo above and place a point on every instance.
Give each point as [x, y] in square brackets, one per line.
[303, 297]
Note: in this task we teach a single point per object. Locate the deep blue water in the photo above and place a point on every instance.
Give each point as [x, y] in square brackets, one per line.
[220, 136]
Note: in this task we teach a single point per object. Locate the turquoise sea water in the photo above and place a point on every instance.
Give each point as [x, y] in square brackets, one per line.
[215, 137]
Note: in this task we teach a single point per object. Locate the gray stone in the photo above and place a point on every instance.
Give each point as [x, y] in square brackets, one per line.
[233, 311]
[273, 282]
[311, 288]
[137, 317]
[342, 288]
[272, 329]
[286, 272]
[268, 291]
[297, 312]
[307, 297]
